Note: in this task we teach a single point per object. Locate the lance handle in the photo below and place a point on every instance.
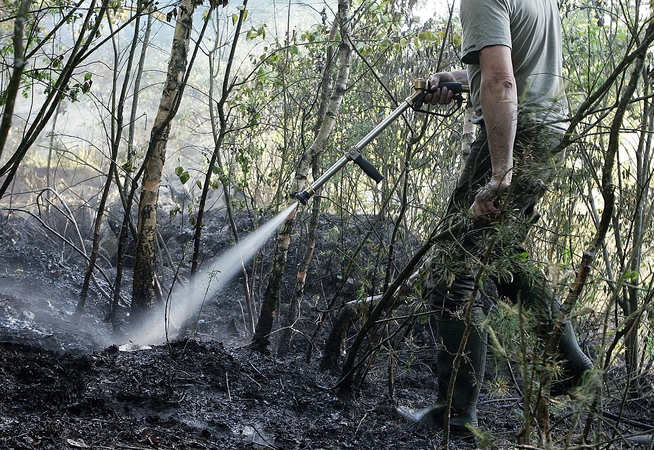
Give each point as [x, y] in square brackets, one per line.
[415, 101]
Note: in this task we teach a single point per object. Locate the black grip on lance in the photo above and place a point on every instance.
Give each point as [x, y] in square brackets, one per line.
[453, 86]
[368, 168]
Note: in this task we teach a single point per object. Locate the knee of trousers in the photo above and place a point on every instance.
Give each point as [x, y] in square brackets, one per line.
[449, 299]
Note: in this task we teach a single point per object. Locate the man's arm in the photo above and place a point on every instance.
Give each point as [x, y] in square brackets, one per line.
[499, 103]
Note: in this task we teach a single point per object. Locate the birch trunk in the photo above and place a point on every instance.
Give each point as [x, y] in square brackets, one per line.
[143, 288]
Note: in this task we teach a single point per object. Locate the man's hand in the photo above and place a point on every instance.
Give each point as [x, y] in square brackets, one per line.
[483, 208]
[444, 96]
[436, 95]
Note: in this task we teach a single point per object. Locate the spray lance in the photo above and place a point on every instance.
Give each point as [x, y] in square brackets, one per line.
[415, 101]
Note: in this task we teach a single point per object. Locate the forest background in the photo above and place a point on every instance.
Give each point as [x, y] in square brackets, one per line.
[119, 115]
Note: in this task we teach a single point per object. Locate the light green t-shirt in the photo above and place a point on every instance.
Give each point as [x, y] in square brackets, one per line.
[532, 29]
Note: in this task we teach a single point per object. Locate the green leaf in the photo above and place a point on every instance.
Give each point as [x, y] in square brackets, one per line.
[236, 16]
[631, 276]
[426, 36]
[522, 257]
[182, 174]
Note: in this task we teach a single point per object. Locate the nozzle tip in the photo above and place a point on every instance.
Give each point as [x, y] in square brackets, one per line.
[303, 197]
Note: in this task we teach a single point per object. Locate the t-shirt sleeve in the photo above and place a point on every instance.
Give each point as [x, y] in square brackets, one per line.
[484, 23]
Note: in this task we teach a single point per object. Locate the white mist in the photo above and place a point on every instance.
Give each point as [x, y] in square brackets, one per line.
[188, 300]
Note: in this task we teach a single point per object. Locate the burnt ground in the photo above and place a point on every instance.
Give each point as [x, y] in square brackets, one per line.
[69, 382]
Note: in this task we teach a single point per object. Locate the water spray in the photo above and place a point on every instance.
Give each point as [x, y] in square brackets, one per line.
[415, 101]
[187, 301]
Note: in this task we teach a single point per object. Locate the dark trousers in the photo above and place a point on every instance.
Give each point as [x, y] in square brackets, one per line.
[492, 255]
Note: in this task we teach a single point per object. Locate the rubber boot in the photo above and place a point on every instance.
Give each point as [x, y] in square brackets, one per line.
[575, 362]
[467, 384]
[536, 295]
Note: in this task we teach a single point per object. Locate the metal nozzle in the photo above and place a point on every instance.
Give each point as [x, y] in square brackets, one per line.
[420, 85]
[304, 196]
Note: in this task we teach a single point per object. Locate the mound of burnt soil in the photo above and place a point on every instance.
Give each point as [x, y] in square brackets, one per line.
[69, 382]
[187, 395]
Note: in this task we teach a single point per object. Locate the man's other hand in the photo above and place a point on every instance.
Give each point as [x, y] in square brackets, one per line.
[483, 208]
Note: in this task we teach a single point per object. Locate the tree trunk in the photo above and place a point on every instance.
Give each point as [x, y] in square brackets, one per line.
[19, 65]
[136, 94]
[335, 343]
[143, 289]
[219, 129]
[639, 229]
[126, 192]
[116, 134]
[264, 326]
[294, 306]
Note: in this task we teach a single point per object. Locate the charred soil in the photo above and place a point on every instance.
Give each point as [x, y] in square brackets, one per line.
[70, 382]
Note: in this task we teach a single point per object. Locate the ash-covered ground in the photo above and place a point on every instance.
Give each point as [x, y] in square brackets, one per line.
[70, 382]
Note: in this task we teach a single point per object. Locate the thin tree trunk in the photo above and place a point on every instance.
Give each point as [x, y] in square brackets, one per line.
[143, 289]
[219, 136]
[116, 134]
[127, 194]
[48, 175]
[135, 98]
[219, 128]
[264, 326]
[643, 163]
[19, 65]
[294, 305]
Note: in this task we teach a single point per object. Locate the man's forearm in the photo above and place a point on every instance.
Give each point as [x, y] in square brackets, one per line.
[500, 121]
[499, 104]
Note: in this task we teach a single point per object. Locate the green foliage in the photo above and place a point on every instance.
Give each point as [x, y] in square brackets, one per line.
[259, 32]
[182, 174]
[505, 326]
[484, 439]
[236, 15]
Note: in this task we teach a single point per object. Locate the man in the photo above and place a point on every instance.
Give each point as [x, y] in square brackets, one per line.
[512, 49]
